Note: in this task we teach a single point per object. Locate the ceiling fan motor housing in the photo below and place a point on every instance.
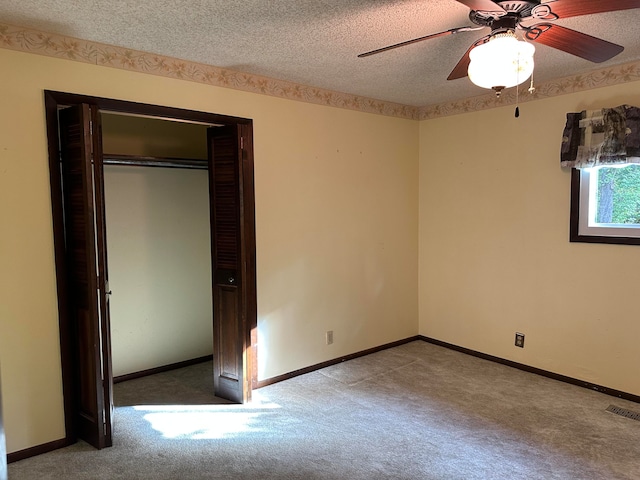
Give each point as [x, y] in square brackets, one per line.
[505, 24]
[517, 10]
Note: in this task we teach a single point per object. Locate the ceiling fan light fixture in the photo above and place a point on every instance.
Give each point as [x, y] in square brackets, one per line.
[502, 62]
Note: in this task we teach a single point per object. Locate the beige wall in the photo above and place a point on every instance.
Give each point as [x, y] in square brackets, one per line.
[151, 137]
[336, 221]
[494, 251]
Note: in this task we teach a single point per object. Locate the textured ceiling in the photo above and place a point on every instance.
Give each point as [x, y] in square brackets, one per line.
[314, 42]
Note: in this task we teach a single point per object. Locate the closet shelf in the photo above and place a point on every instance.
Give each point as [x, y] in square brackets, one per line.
[143, 161]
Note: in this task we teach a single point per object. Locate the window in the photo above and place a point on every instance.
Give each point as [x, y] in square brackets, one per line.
[605, 204]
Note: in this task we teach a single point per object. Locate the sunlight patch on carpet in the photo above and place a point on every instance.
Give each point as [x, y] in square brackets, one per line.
[201, 425]
[203, 422]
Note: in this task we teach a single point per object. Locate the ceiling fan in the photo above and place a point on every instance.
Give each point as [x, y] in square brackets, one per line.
[504, 17]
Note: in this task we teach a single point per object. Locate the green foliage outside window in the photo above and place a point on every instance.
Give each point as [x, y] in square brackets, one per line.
[618, 195]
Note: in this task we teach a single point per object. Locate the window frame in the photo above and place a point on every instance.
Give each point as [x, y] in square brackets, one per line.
[578, 193]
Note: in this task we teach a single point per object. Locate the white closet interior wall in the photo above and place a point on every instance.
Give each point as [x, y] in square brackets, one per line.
[158, 243]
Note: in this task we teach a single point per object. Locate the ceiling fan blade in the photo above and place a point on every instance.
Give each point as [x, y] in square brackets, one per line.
[460, 70]
[573, 42]
[575, 8]
[482, 5]
[419, 39]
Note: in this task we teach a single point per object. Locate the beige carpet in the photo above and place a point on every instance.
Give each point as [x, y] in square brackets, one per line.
[417, 411]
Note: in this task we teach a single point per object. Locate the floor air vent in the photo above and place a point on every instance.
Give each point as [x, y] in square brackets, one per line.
[624, 412]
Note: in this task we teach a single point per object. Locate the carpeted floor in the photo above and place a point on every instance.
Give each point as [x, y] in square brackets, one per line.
[416, 411]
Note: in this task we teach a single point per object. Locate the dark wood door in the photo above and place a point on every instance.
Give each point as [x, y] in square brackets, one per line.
[232, 224]
[87, 283]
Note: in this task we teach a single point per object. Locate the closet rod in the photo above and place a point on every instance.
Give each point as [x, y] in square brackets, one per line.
[143, 161]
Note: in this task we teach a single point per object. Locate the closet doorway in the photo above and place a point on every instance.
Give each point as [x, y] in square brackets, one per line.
[77, 191]
[158, 241]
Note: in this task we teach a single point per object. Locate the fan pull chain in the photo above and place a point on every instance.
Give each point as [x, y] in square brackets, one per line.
[531, 90]
[517, 114]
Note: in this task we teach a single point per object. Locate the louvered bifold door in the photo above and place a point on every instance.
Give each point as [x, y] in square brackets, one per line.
[229, 306]
[85, 251]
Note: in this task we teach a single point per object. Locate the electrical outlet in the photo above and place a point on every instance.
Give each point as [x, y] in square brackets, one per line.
[329, 337]
[519, 340]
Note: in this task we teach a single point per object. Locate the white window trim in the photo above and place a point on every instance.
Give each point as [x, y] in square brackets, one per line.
[586, 219]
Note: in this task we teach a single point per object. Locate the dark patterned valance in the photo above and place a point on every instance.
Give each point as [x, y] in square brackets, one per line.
[607, 136]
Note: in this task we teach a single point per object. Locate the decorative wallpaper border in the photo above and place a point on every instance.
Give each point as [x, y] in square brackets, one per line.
[69, 48]
[629, 72]
[59, 46]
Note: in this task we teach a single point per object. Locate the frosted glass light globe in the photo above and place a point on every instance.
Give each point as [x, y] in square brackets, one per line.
[502, 62]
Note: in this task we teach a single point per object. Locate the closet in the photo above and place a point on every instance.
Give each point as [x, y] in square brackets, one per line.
[79, 174]
[158, 237]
